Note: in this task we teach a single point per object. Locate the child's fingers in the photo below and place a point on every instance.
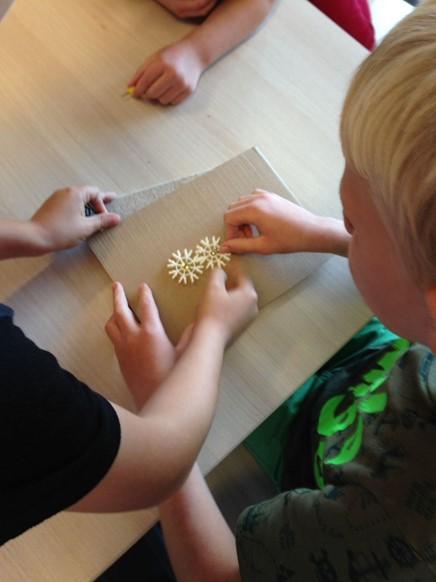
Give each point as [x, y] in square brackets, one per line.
[98, 199]
[160, 86]
[148, 77]
[184, 95]
[217, 279]
[147, 308]
[242, 245]
[87, 193]
[197, 8]
[239, 281]
[243, 201]
[146, 65]
[242, 231]
[169, 95]
[109, 197]
[232, 232]
[113, 331]
[241, 215]
[123, 316]
[139, 72]
[100, 222]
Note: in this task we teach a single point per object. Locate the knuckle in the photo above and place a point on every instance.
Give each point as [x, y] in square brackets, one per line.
[109, 328]
[118, 315]
[149, 329]
[68, 192]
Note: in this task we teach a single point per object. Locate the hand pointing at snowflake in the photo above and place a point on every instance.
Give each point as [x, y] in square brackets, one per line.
[229, 302]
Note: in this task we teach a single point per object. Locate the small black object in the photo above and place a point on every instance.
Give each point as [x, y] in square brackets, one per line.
[89, 210]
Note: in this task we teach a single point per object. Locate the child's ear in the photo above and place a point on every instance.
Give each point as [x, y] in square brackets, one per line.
[431, 304]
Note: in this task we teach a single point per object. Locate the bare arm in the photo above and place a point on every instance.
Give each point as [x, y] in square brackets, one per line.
[19, 238]
[199, 541]
[172, 74]
[227, 26]
[160, 444]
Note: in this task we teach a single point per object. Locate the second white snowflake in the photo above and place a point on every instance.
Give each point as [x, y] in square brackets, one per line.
[209, 255]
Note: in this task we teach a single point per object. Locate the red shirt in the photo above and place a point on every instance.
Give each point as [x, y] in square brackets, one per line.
[354, 16]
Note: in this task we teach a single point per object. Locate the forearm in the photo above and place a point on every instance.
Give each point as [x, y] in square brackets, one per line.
[185, 402]
[199, 541]
[19, 238]
[227, 26]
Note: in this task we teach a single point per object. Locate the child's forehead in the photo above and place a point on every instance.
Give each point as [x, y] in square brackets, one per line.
[4, 5]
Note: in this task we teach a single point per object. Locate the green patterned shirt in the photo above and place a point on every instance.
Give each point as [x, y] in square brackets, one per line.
[374, 516]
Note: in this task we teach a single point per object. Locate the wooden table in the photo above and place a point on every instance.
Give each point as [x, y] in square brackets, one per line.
[63, 120]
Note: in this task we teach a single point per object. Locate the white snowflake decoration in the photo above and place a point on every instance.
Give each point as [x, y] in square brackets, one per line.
[208, 253]
[184, 267]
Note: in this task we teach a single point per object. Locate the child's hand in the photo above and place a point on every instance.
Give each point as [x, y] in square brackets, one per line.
[60, 223]
[169, 76]
[230, 303]
[283, 227]
[189, 8]
[144, 352]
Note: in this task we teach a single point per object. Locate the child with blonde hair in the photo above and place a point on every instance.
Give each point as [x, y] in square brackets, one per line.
[359, 468]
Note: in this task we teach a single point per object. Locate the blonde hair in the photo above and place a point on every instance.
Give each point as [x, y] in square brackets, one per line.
[388, 133]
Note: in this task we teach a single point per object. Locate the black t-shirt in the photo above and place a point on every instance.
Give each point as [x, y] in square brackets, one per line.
[58, 438]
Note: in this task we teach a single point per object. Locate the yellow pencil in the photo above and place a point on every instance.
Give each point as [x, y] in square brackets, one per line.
[129, 92]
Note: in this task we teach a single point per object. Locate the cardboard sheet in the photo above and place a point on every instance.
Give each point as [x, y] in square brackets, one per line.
[175, 216]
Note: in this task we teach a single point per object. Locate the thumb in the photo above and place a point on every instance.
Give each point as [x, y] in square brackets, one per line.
[243, 245]
[102, 221]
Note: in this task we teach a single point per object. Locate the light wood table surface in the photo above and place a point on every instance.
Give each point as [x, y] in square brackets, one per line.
[63, 120]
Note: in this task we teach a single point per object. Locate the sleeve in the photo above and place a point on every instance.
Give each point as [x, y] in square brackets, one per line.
[354, 16]
[58, 438]
[338, 533]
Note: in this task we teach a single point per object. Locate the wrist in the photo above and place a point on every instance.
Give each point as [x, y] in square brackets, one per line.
[212, 329]
[325, 235]
[31, 240]
[41, 240]
[195, 43]
[334, 237]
